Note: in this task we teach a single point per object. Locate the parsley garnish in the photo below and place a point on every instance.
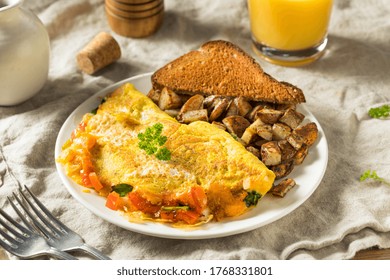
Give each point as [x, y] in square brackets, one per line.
[380, 112]
[252, 198]
[152, 140]
[122, 189]
[370, 174]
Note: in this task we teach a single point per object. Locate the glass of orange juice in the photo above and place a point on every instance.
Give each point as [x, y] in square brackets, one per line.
[289, 32]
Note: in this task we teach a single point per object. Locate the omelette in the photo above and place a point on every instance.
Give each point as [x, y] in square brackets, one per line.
[151, 167]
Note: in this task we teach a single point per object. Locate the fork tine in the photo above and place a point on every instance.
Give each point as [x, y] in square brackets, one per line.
[10, 229]
[35, 222]
[6, 236]
[12, 221]
[6, 246]
[44, 209]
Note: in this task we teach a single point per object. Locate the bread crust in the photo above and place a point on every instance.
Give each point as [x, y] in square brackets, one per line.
[222, 68]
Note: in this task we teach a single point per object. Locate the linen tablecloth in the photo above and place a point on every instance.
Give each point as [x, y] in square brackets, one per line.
[342, 216]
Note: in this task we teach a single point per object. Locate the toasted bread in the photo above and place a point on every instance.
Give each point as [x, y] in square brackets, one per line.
[222, 68]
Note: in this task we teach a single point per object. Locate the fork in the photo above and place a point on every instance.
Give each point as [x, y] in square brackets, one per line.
[53, 230]
[25, 243]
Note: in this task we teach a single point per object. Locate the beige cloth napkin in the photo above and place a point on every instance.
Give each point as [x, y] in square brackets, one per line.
[341, 217]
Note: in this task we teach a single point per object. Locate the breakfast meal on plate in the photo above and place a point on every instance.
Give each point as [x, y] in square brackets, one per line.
[206, 143]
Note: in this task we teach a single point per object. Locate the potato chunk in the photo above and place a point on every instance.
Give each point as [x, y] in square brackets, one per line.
[283, 187]
[219, 108]
[169, 100]
[295, 140]
[243, 106]
[269, 116]
[191, 116]
[271, 154]
[301, 155]
[283, 169]
[193, 103]
[154, 95]
[280, 131]
[265, 131]
[288, 151]
[308, 132]
[292, 118]
[250, 134]
[236, 124]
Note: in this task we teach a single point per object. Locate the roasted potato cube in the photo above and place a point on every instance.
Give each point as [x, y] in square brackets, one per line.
[154, 95]
[295, 140]
[269, 116]
[252, 115]
[265, 131]
[283, 187]
[219, 108]
[288, 151]
[280, 131]
[283, 169]
[254, 151]
[209, 100]
[232, 110]
[236, 125]
[250, 134]
[301, 155]
[271, 154]
[192, 104]
[172, 112]
[243, 106]
[169, 100]
[292, 118]
[219, 125]
[308, 132]
[191, 116]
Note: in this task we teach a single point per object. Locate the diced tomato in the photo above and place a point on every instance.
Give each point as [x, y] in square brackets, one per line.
[95, 182]
[195, 198]
[142, 204]
[188, 216]
[199, 198]
[168, 215]
[114, 202]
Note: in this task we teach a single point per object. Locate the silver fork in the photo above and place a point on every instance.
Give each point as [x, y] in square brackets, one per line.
[24, 243]
[55, 232]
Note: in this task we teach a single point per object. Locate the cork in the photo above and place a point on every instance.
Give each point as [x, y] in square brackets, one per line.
[98, 53]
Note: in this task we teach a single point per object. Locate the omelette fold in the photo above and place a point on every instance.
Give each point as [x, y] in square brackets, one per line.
[207, 176]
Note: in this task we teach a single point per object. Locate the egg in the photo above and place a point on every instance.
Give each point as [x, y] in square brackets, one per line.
[208, 173]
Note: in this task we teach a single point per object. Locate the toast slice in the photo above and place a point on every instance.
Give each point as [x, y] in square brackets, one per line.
[222, 68]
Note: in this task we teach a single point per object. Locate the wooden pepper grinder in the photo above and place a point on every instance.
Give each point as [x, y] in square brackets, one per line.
[134, 18]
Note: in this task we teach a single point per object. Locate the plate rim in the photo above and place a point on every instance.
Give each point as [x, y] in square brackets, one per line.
[174, 233]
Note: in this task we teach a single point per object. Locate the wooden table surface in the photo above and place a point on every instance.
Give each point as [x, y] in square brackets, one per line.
[373, 254]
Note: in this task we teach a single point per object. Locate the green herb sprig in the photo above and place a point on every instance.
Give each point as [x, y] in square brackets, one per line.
[175, 208]
[151, 141]
[371, 174]
[252, 198]
[122, 189]
[380, 112]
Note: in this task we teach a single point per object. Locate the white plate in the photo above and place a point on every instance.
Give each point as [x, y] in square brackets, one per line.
[308, 176]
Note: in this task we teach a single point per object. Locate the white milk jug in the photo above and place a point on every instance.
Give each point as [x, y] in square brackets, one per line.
[24, 53]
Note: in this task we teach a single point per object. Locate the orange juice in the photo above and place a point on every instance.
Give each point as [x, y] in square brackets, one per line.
[291, 25]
